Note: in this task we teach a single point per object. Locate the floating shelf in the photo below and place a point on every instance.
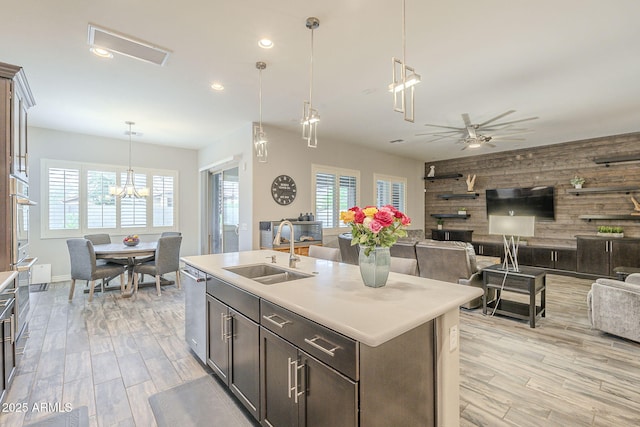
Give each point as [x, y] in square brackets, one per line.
[455, 176]
[578, 191]
[458, 196]
[619, 217]
[455, 216]
[616, 159]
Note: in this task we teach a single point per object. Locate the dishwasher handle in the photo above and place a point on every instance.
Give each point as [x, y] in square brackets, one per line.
[191, 276]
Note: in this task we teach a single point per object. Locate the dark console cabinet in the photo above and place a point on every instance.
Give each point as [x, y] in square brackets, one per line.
[455, 235]
[600, 256]
[548, 257]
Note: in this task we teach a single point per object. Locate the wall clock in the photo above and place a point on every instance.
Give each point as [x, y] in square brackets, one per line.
[283, 190]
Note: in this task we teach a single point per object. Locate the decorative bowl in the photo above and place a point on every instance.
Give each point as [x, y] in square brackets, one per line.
[131, 240]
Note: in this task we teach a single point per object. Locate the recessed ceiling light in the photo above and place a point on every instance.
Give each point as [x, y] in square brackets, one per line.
[102, 53]
[265, 43]
[217, 86]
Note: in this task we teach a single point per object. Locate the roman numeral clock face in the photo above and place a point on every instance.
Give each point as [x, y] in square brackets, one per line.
[283, 190]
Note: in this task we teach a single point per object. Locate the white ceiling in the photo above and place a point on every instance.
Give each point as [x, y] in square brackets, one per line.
[573, 63]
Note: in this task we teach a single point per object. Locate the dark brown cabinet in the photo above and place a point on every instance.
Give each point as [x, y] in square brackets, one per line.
[489, 249]
[233, 342]
[600, 256]
[15, 99]
[454, 235]
[547, 257]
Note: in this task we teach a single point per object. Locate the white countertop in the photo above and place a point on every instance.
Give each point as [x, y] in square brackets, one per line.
[337, 298]
[6, 279]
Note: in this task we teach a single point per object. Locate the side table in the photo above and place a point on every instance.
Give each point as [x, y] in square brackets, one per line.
[527, 281]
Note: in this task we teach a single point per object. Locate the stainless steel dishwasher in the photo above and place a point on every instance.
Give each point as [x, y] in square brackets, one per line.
[195, 310]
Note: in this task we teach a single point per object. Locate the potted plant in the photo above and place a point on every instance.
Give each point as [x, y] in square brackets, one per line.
[577, 181]
[440, 223]
[608, 231]
[462, 211]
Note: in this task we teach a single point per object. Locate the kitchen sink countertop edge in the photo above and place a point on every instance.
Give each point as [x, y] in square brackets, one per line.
[336, 297]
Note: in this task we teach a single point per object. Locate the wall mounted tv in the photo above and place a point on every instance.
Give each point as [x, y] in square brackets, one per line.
[536, 201]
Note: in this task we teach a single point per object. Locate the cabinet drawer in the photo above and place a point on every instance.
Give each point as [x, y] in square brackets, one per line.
[329, 346]
[241, 301]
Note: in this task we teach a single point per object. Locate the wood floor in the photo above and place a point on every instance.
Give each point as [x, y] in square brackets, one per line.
[112, 354]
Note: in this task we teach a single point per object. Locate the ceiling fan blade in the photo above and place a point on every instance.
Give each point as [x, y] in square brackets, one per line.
[464, 148]
[440, 132]
[466, 119]
[446, 127]
[496, 118]
[507, 139]
[515, 121]
[490, 145]
[441, 137]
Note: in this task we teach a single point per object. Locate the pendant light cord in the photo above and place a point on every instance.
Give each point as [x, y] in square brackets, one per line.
[404, 43]
[311, 73]
[260, 97]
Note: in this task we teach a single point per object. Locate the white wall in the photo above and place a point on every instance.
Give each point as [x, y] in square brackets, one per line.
[289, 155]
[235, 149]
[49, 144]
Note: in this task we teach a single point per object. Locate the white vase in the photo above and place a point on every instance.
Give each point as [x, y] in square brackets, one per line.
[577, 186]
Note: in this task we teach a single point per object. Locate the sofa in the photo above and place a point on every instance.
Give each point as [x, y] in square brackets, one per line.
[450, 261]
[613, 306]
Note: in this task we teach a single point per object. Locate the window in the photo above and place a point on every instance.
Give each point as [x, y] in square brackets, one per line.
[391, 190]
[335, 190]
[78, 201]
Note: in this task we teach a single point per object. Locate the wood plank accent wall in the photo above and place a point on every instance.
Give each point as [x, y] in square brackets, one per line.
[549, 165]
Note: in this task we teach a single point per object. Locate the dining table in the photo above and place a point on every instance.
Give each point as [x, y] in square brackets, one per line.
[131, 254]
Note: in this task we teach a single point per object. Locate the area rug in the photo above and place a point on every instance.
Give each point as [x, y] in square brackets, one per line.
[201, 402]
[38, 287]
[79, 417]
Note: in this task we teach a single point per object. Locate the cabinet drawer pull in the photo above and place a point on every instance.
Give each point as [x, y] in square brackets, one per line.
[278, 324]
[313, 343]
[289, 387]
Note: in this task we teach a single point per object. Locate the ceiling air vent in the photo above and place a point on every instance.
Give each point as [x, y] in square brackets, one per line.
[127, 45]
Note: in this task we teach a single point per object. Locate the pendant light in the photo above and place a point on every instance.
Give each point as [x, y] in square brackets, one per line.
[129, 188]
[404, 79]
[259, 137]
[310, 116]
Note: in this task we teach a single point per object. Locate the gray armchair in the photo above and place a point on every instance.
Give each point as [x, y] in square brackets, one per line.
[453, 262]
[84, 266]
[613, 306]
[167, 260]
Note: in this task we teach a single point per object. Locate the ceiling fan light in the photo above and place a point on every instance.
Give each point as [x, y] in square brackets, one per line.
[475, 144]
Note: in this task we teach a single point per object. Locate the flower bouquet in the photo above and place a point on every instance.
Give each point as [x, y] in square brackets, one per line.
[372, 226]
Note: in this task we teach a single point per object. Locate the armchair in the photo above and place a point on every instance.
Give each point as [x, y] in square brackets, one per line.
[613, 306]
[449, 261]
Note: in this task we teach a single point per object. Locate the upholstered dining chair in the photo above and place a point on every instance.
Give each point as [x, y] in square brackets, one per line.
[404, 265]
[324, 252]
[348, 253]
[152, 257]
[167, 260]
[170, 233]
[84, 266]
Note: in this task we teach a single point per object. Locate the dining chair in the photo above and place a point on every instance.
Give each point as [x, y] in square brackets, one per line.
[324, 252]
[167, 260]
[152, 257]
[84, 266]
[348, 253]
[404, 265]
[170, 233]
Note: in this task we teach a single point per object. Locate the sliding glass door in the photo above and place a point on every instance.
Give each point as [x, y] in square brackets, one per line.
[224, 211]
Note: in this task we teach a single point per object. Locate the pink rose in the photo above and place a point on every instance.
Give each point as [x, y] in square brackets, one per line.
[375, 225]
[405, 220]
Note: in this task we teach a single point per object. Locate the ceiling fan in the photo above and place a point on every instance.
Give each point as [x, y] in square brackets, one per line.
[478, 135]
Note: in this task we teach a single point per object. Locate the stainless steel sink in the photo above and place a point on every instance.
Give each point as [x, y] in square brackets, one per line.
[267, 274]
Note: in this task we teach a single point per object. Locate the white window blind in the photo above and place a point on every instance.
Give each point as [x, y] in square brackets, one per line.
[101, 206]
[335, 190]
[76, 200]
[133, 211]
[64, 199]
[162, 201]
[391, 191]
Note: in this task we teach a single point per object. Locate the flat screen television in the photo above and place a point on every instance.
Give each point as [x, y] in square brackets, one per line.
[528, 201]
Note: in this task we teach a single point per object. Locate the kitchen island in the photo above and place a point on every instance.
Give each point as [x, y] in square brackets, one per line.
[392, 351]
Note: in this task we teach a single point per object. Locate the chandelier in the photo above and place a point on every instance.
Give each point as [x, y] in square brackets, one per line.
[310, 116]
[259, 137]
[129, 188]
[404, 80]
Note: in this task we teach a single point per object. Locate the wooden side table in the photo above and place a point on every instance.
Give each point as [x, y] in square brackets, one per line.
[528, 281]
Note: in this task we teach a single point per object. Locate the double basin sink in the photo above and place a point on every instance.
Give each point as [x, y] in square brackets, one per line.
[267, 274]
